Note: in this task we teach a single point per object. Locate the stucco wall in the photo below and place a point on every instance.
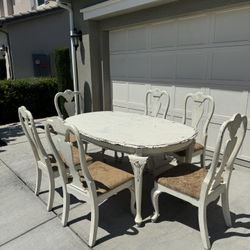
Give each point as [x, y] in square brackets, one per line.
[89, 71]
[39, 35]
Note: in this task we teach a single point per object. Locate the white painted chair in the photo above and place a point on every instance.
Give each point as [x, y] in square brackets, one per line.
[44, 162]
[157, 101]
[200, 186]
[200, 116]
[93, 183]
[69, 104]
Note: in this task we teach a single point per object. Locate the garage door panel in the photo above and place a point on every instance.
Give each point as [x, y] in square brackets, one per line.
[137, 38]
[213, 131]
[118, 41]
[227, 102]
[232, 25]
[120, 91]
[191, 65]
[193, 30]
[163, 65]
[137, 92]
[231, 63]
[164, 35]
[248, 106]
[118, 108]
[118, 66]
[180, 96]
[245, 147]
[136, 66]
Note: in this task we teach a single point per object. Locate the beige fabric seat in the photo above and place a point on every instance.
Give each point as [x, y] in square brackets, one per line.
[197, 147]
[185, 178]
[76, 156]
[105, 177]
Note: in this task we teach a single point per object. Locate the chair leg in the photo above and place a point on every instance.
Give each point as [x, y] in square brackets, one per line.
[132, 200]
[93, 224]
[202, 157]
[225, 208]
[154, 197]
[51, 192]
[116, 156]
[202, 215]
[103, 153]
[38, 180]
[86, 147]
[65, 214]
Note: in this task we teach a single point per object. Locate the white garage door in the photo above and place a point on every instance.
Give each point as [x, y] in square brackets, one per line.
[209, 52]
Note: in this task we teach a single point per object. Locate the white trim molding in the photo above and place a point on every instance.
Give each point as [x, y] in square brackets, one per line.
[116, 7]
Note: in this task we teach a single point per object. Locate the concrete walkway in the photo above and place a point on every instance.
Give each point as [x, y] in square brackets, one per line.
[25, 223]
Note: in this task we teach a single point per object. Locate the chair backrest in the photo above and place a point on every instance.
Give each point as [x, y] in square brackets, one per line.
[68, 102]
[29, 128]
[201, 113]
[62, 150]
[157, 102]
[229, 141]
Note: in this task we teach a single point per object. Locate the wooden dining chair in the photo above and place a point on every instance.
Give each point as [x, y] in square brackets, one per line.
[200, 186]
[65, 103]
[93, 183]
[44, 162]
[157, 103]
[198, 117]
[65, 106]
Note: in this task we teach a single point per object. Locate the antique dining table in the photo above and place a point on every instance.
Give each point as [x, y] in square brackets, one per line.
[137, 135]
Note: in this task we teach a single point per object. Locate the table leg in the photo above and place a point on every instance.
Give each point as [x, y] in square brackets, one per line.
[138, 163]
[189, 152]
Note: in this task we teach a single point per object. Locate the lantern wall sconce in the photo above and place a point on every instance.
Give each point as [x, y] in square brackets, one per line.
[76, 37]
[3, 50]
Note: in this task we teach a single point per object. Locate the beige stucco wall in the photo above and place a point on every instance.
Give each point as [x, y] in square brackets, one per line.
[89, 72]
[39, 35]
[23, 6]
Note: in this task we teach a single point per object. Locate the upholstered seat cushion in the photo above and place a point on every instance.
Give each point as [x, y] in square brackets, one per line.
[76, 156]
[75, 151]
[72, 138]
[106, 177]
[185, 178]
[197, 147]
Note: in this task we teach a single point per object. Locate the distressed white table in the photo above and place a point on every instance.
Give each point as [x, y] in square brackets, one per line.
[137, 135]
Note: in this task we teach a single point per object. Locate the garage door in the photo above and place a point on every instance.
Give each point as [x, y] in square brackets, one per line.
[209, 52]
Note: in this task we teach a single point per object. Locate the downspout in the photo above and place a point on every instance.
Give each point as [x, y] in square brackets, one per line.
[67, 6]
[9, 53]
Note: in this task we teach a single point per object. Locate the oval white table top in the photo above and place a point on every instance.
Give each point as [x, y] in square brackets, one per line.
[131, 130]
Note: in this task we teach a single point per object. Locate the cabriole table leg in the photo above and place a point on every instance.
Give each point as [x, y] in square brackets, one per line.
[138, 163]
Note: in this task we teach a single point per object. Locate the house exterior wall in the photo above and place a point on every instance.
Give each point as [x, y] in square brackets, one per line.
[13, 7]
[39, 35]
[21, 6]
[88, 57]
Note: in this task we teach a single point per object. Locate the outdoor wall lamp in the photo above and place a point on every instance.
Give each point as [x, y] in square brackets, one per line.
[3, 50]
[76, 36]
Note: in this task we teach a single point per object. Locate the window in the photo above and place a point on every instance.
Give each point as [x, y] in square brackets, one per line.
[40, 2]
